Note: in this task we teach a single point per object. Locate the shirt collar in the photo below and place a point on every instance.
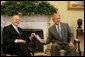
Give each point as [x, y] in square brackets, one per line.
[57, 25]
[14, 26]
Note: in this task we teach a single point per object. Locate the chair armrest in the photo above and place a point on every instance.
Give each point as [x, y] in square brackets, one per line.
[77, 40]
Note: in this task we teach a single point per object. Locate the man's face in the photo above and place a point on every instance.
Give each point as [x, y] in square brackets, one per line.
[16, 20]
[56, 19]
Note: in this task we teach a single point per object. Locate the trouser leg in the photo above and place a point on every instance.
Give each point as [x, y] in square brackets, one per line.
[23, 50]
[54, 49]
[71, 50]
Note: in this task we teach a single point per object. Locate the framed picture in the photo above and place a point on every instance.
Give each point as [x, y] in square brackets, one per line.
[75, 5]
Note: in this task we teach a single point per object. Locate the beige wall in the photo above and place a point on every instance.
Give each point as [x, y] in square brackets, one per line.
[68, 16]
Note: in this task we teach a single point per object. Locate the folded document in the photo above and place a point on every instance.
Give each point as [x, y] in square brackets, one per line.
[38, 37]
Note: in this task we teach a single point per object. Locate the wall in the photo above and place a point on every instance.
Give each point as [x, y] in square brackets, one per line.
[68, 16]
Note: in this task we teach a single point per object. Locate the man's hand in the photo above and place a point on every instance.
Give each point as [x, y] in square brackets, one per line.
[32, 35]
[71, 44]
[21, 41]
[42, 41]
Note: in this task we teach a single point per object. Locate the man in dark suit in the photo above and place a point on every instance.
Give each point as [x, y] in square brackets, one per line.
[14, 41]
[60, 36]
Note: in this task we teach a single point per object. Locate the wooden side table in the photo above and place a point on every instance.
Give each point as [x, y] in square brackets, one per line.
[77, 43]
[79, 40]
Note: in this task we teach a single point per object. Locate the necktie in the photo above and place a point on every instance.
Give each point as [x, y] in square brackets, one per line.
[59, 32]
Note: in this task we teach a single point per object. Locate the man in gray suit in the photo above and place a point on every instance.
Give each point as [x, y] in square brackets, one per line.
[60, 36]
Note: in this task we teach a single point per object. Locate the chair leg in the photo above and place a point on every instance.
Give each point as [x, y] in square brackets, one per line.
[33, 53]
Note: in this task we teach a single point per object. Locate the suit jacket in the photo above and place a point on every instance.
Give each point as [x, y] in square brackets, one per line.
[55, 38]
[10, 35]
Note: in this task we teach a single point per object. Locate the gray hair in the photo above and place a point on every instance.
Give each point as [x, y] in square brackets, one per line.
[55, 15]
[15, 16]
